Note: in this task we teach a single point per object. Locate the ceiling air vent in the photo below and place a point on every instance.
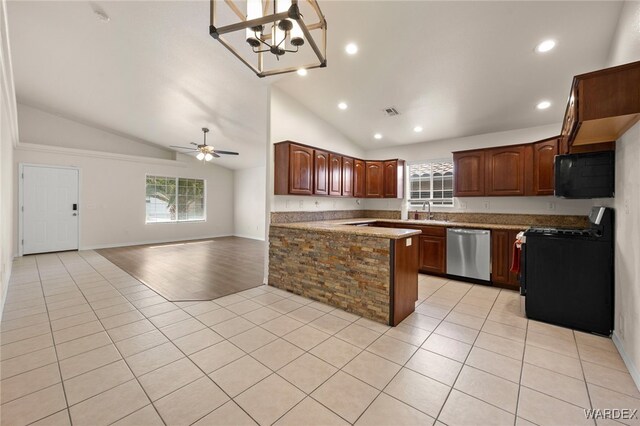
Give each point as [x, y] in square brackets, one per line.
[391, 111]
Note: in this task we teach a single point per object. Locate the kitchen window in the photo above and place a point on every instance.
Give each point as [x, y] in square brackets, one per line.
[172, 199]
[431, 181]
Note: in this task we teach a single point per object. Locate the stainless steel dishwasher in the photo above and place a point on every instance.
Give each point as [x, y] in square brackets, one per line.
[469, 253]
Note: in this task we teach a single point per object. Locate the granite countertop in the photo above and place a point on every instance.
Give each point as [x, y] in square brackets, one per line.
[347, 226]
[453, 224]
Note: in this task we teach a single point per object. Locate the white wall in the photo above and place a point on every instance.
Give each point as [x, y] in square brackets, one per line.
[45, 128]
[112, 196]
[626, 48]
[8, 138]
[444, 148]
[290, 120]
[249, 202]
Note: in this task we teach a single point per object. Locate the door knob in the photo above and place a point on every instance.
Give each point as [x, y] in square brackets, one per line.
[75, 214]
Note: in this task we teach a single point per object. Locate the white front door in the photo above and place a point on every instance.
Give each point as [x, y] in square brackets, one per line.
[50, 209]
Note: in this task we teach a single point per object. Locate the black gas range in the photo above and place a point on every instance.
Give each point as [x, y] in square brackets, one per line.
[567, 274]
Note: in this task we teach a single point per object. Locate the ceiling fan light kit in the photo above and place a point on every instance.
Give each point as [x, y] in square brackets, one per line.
[272, 33]
[205, 152]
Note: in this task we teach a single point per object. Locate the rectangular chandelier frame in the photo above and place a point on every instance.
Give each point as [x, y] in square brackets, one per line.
[259, 69]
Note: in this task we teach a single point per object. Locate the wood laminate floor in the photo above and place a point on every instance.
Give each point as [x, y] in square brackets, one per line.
[194, 270]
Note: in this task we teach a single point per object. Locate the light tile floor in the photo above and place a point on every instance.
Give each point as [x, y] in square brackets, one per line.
[87, 344]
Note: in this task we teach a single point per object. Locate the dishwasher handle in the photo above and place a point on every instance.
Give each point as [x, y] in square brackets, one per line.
[468, 231]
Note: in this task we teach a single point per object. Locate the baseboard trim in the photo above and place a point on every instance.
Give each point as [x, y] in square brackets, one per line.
[248, 237]
[162, 241]
[635, 374]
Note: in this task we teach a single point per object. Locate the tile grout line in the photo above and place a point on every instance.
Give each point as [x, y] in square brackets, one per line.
[55, 349]
[186, 356]
[116, 348]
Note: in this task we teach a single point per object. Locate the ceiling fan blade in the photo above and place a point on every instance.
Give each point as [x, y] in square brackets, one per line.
[215, 155]
[193, 143]
[183, 147]
[226, 152]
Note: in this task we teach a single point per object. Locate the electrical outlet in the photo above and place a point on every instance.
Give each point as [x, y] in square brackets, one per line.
[463, 205]
[551, 205]
[335, 203]
[301, 204]
[286, 204]
[487, 205]
[627, 209]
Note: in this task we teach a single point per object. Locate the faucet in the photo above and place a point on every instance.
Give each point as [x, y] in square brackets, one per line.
[429, 214]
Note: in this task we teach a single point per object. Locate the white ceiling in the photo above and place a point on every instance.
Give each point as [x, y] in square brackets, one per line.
[455, 68]
[152, 72]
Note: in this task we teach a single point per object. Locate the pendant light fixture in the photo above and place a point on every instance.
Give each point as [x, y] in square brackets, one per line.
[272, 27]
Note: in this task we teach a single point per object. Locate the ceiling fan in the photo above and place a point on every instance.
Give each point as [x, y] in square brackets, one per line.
[205, 152]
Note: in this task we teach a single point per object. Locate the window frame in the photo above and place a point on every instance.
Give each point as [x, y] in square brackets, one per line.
[414, 202]
[177, 178]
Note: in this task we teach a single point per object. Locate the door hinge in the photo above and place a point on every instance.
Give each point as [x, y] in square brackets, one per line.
[22, 208]
[22, 175]
[22, 242]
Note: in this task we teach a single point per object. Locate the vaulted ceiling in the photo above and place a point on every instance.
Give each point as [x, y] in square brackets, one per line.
[453, 68]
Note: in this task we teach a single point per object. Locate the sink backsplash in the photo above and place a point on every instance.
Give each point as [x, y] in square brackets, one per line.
[490, 218]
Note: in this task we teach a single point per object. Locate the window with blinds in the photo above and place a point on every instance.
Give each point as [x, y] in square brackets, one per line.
[171, 199]
[431, 181]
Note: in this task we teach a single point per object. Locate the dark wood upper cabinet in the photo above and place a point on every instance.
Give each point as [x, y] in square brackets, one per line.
[602, 105]
[321, 172]
[504, 170]
[335, 174]
[468, 167]
[359, 178]
[375, 179]
[347, 177]
[294, 171]
[543, 169]
[304, 170]
[393, 179]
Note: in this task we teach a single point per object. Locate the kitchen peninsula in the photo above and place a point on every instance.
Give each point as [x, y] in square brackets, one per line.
[368, 271]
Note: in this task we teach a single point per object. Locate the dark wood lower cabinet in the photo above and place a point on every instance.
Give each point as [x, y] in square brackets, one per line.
[405, 278]
[501, 257]
[433, 254]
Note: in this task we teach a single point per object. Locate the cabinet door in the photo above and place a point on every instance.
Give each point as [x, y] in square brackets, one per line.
[391, 179]
[543, 171]
[321, 165]
[432, 254]
[300, 170]
[374, 179]
[501, 256]
[335, 174]
[505, 171]
[347, 177]
[359, 179]
[468, 168]
[500, 261]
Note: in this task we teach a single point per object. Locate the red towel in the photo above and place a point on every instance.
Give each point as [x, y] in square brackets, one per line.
[515, 261]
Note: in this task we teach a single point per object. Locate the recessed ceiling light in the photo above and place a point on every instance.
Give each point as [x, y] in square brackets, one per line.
[417, 129]
[377, 136]
[351, 48]
[302, 72]
[545, 46]
[342, 105]
[543, 105]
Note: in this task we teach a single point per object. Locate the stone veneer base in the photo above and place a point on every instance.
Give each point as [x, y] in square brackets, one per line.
[350, 272]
